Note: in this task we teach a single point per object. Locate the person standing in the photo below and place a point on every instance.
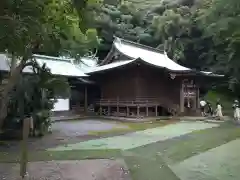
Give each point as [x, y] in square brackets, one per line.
[202, 107]
[236, 111]
[209, 109]
[219, 111]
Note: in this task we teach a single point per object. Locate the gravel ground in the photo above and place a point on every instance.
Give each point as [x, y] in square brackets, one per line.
[65, 132]
[76, 128]
[100, 169]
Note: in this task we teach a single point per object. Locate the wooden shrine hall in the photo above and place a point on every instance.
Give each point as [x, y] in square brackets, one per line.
[140, 81]
[132, 81]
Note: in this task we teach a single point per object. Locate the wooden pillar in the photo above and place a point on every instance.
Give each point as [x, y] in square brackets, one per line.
[100, 110]
[195, 99]
[195, 103]
[181, 98]
[127, 111]
[198, 105]
[117, 110]
[109, 110]
[138, 111]
[147, 111]
[156, 111]
[117, 106]
[85, 99]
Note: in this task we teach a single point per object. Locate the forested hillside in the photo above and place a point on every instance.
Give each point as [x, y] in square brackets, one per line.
[201, 34]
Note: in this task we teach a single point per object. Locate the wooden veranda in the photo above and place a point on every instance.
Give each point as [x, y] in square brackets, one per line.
[135, 107]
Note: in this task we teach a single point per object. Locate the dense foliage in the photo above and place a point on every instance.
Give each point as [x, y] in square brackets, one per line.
[52, 27]
[34, 96]
[45, 26]
[200, 34]
[124, 21]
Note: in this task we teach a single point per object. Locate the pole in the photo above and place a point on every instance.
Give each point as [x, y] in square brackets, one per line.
[24, 153]
[85, 100]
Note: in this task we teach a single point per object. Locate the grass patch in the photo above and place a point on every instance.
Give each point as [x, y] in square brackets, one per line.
[180, 148]
[62, 155]
[132, 127]
[143, 168]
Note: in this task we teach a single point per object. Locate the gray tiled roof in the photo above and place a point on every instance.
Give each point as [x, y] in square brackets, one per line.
[58, 66]
[147, 54]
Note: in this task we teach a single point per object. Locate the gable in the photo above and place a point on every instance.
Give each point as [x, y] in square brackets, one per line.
[114, 56]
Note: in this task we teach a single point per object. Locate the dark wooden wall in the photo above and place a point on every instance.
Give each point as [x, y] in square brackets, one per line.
[119, 84]
[139, 81]
[156, 83]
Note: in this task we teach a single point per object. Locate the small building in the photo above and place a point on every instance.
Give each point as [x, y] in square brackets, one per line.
[140, 81]
[60, 66]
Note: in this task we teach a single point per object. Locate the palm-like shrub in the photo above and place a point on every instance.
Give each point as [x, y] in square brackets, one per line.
[34, 96]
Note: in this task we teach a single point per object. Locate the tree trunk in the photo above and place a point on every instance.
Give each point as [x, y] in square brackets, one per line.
[7, 88]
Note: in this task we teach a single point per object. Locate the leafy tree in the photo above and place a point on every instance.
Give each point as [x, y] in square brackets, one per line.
[220, 20]
[173, 28]
[44, 26]
[123, 20]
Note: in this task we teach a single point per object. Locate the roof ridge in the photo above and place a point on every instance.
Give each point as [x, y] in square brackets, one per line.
[53, 58]
[139, 45]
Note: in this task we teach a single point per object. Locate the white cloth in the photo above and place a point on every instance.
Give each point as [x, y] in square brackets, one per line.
[219, 111]
[202, 103]
[237, 113]
[31, 123]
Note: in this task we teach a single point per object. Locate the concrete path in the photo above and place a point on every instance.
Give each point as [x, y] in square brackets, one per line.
[221, 163]
[140, 138]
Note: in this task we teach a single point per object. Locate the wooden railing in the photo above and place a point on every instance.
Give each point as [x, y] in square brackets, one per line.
[171, 107]
[137, 101]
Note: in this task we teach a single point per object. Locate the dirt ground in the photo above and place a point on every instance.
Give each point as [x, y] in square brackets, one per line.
[66, 133]
[100, 169]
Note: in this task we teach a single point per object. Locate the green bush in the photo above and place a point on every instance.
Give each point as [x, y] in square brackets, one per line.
[34, 96]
